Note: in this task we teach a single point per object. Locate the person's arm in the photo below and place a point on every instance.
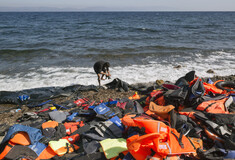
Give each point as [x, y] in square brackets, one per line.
[108, 74]
[105, 73]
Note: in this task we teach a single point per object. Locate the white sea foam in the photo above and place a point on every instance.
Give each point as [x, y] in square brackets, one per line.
[221, 62]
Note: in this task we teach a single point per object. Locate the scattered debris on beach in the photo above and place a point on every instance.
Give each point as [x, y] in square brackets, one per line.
[192, 118]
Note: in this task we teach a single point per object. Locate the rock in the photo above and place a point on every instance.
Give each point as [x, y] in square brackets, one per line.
[210, 71]
[159, 82]
[178, 66]
[226, 78]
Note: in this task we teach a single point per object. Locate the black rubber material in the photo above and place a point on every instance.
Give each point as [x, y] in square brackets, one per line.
[223, 84]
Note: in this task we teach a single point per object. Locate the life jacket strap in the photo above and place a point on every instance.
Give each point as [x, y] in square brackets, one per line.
[152, 152]
[107, 114]
[67, 146]
[219, 129]
[10, 145]
[121, 155]
[179, 139]
[191, 143]
[209, 106]
[81, 130]
[106, 129]
[168, 146]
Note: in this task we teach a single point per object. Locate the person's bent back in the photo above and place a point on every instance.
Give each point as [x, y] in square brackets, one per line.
[102, 69]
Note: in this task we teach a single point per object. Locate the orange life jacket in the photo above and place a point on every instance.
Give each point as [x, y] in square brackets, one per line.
[160, 138]
[197, 142]
[72, 139]
[163, 145]
[16, 151]
[213, 106]
[135, 96]
[188, 114]
[63, 150]
[212, 88]
[162, 111]
[72, 126]
[172, 145]
[50, 124]
[47, 153]
[6, 149]
[62, 147]
[141, 148]
[160, 158]
[155, 96]
[230, 88]
[160, 101]
[21, 138]
[128, 120]
[152, 126]
[193, 81]
[153, 115]
[212, 135]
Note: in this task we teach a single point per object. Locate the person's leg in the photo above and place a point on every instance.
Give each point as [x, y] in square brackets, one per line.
[102, 77]
[98, 78]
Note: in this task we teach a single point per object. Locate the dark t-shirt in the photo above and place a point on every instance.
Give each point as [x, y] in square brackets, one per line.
[99, 66]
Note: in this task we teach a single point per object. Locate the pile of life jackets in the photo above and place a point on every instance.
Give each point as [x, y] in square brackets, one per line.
[190, 119]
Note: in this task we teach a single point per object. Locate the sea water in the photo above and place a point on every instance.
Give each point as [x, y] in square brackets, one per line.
[40, 49]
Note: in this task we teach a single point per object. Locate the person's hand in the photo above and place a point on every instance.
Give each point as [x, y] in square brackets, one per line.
[108, 76]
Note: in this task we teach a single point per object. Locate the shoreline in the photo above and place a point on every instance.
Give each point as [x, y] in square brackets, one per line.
[230, 77]
[102, 94]
[62, 77]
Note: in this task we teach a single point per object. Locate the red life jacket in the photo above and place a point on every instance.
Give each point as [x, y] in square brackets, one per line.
[81, 101]
[84, 103]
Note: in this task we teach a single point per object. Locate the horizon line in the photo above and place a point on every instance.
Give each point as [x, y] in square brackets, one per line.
[124, 11]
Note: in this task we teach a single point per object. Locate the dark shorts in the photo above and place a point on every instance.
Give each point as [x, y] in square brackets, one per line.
[98, 67]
